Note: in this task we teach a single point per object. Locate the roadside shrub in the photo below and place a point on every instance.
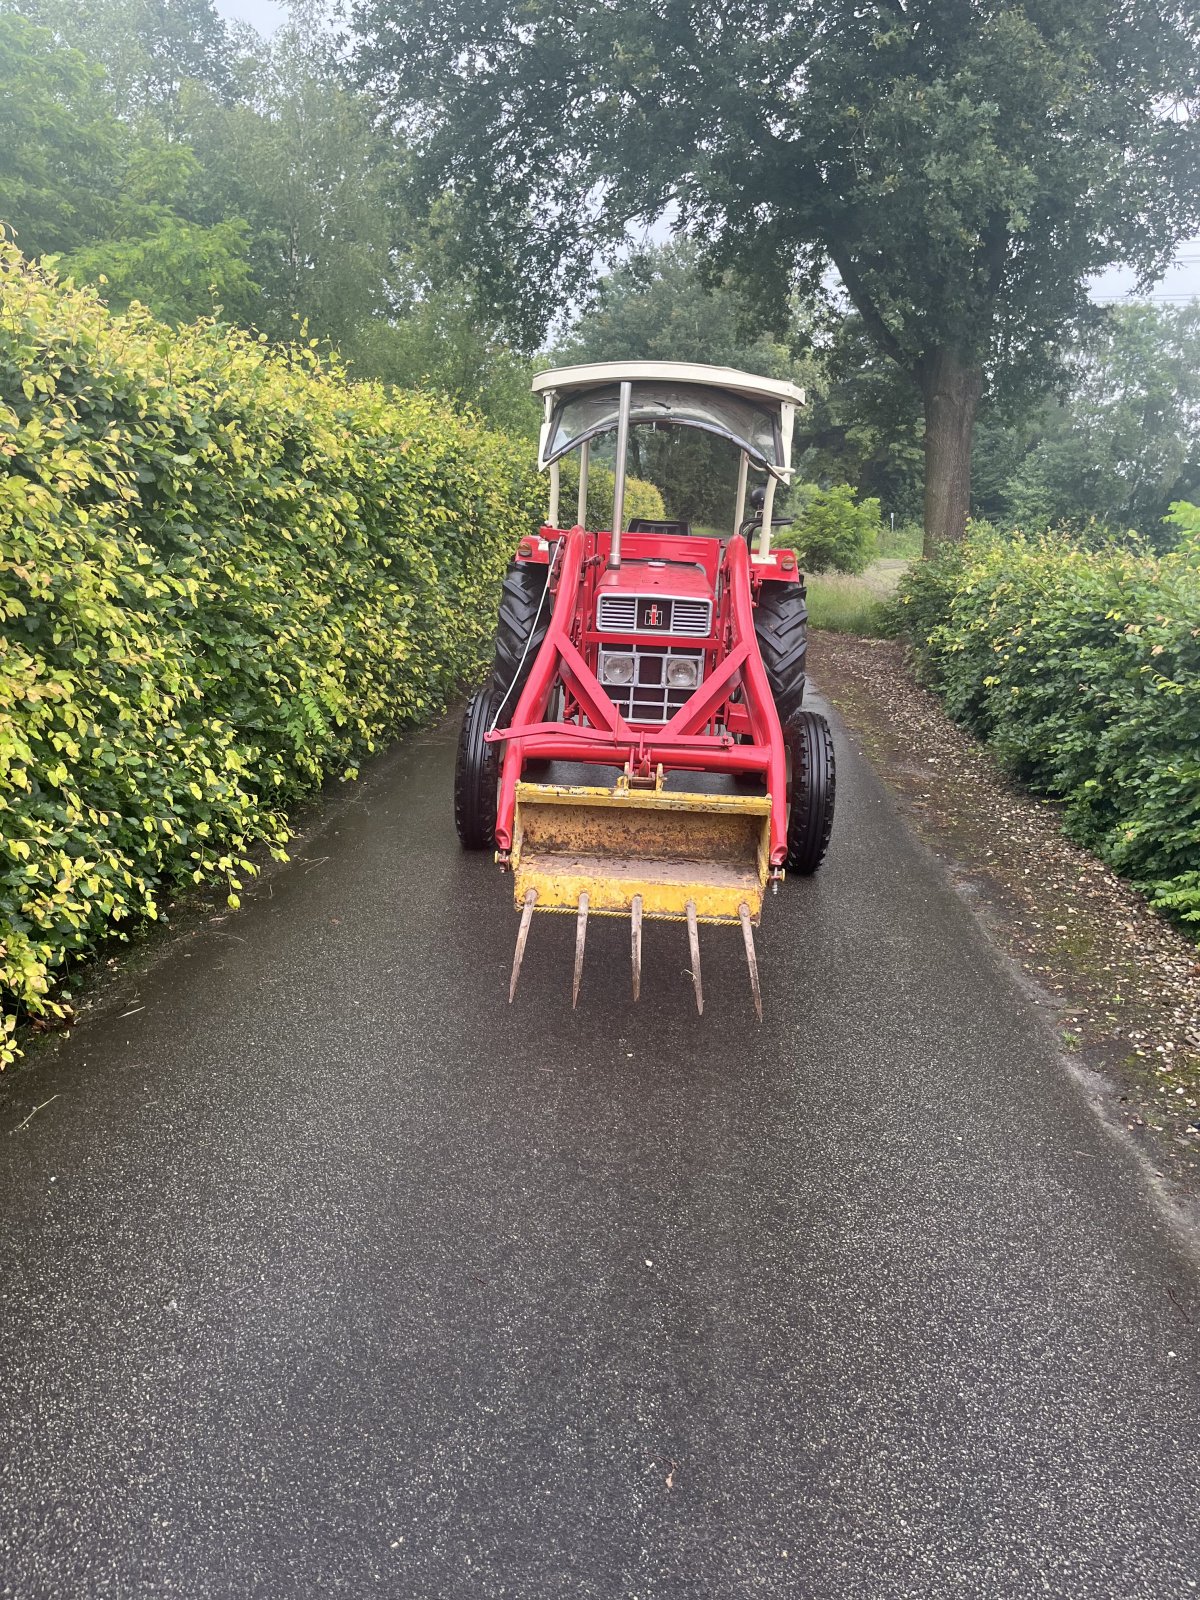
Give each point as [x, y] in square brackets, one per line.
[642, 499]
[1082, 668]
[225, 573]
[833, 529]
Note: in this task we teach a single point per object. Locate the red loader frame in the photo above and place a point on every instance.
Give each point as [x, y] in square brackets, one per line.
[734, 692]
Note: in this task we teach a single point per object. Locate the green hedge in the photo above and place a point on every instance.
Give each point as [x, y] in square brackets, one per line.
[1082, 668]
[225, 573]
[642, 499]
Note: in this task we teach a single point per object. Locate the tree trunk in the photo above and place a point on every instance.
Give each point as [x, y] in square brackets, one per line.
[951, 389]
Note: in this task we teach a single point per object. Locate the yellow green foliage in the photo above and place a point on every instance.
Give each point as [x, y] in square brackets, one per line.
[642, 499]
[225, 572]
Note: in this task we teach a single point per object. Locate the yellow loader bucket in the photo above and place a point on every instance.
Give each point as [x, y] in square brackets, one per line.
[640, 852]
[615, 844]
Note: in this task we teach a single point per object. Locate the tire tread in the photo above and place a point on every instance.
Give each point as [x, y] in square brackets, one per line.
[813, 788]
[520, 599]
[781, 624]
[476, 775]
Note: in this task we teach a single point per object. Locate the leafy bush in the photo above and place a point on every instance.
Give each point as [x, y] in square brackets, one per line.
[1082, 668]
[642, 499]
[1186, 518]
[225, 572]
[834, 530]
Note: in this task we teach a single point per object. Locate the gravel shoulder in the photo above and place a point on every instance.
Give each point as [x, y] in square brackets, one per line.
[1124, 984]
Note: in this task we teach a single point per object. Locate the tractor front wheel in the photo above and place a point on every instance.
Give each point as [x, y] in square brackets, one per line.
[811, 776]
[476, 774]
[781, 623]
[524, 618]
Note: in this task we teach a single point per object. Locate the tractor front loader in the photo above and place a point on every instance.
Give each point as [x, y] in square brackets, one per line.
[670, 668]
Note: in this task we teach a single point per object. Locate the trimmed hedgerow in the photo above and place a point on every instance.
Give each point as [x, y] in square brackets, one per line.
[1082, 669]
[225, 573]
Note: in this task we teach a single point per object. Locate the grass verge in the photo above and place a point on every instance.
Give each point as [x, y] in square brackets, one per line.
[841, 602]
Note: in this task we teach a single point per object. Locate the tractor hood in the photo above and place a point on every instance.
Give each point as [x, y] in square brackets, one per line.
[682, 580]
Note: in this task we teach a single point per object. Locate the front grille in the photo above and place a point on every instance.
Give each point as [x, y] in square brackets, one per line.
[692, 618]
[649, 698]
[617, 613]
[637, 613]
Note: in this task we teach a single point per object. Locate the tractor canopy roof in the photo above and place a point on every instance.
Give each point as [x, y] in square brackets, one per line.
[753, 413]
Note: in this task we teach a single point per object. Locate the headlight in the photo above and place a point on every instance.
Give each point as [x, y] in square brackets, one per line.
[682, 673]
[616, 668]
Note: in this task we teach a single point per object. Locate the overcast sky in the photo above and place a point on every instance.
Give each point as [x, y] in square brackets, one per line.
[265, 15]
[1181, 283]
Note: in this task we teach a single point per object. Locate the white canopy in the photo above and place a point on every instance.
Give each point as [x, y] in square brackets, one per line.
[581, 403]
[562, 380]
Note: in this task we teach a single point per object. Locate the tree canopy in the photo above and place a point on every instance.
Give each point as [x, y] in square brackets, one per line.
[463, 196]
[59, 141]
[153, 52]
[115, 201]
[963, 166]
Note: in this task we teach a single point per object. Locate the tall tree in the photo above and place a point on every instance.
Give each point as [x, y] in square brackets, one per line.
[657, 305]
[964, 165]
[59, 142]
[174, 161]
[110, 199]
[864, 426]
[153, 51]
[297, 158]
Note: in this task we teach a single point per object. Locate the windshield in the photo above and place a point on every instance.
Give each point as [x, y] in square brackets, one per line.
[753, 428]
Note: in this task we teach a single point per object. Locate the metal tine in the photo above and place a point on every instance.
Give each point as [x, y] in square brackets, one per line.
[694, 947]
[522, 938]
[580, 937]
[751, 958]
[637, 945]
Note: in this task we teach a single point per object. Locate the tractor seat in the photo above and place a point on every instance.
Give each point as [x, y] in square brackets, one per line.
[659, 525]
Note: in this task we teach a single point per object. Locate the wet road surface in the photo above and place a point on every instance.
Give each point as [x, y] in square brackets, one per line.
[329, 1274]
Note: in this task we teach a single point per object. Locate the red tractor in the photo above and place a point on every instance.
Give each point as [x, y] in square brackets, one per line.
[671, 663]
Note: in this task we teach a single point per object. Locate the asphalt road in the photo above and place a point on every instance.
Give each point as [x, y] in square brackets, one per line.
[329, 1274]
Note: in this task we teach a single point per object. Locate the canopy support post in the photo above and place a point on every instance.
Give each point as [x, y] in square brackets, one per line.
[787, 421]
[555, 485]
[585, 453]
[764, 533]
[626, 401]
[739, 514]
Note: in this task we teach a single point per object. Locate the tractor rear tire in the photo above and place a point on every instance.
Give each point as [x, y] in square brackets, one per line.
[811, 784]
[477, 774]
[520, 629]
[781, 623]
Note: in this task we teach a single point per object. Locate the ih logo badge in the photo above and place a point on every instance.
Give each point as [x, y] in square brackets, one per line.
[654, 614]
